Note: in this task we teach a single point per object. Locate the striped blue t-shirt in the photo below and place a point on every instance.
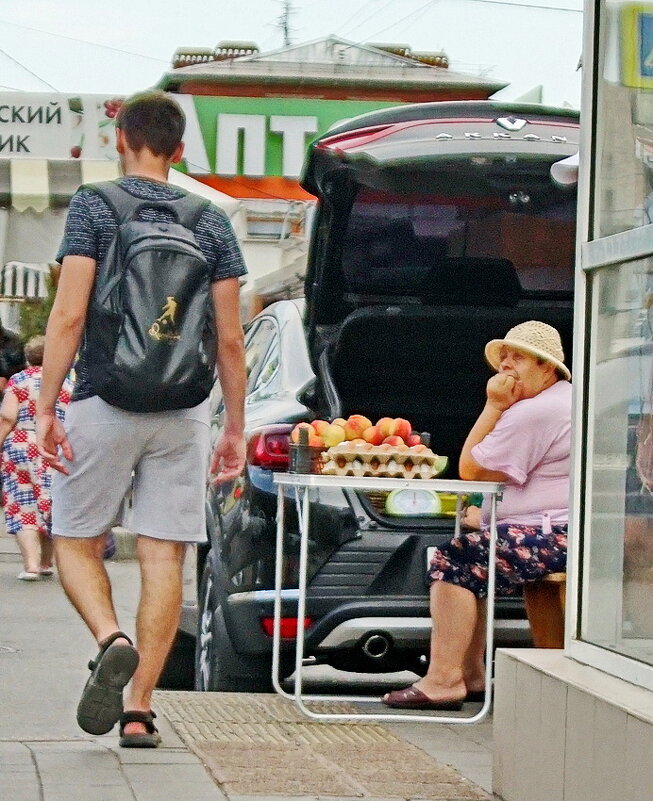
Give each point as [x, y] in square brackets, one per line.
[91, 225]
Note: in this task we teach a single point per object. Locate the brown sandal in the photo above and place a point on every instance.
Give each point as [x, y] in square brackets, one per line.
[414, 698]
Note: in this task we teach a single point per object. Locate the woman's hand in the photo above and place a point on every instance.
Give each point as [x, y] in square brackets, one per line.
[503, 389]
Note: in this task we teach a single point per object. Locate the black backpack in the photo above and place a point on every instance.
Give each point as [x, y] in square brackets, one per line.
[150, 335]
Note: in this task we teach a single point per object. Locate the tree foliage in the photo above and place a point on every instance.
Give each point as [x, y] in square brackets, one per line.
[34, 312]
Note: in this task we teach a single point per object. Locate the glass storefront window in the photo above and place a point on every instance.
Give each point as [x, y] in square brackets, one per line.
[623, 197]
[617, 595]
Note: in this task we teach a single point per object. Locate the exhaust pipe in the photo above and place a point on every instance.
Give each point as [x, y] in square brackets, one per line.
[376, 646]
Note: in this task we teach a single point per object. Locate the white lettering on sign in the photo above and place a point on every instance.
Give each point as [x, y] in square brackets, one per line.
[294, 131]
[197, 160]
[231, 127]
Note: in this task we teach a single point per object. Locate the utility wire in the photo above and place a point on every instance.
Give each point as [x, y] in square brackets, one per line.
[83, 41]
[353, 16]
[403, 19]
[527, 5]
[371, 16]
[27, 69]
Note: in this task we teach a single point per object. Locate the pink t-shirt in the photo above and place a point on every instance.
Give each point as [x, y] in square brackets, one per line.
[530, 444]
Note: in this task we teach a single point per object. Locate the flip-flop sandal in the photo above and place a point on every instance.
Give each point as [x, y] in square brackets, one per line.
[150, 738]
[414, 698]
[100, 706]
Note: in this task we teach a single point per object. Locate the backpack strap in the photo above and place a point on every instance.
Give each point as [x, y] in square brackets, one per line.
[125, 207]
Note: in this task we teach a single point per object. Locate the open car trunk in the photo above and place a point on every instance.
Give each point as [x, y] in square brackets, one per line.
[439, 228]
[423, 363]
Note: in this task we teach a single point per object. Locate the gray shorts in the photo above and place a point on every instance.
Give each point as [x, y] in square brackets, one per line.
[168, 453]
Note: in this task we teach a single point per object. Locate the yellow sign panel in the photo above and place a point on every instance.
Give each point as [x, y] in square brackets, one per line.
[636, 34]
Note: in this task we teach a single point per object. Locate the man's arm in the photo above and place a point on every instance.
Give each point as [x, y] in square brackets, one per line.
[62, 338]
[228, 458]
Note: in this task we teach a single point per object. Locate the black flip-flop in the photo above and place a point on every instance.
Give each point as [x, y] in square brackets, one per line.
[100, 706]
[150, 738]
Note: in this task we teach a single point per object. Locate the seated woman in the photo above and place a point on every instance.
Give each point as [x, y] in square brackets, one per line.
[521, 438]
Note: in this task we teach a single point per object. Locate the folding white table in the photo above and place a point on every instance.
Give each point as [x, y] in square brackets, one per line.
[301, 485]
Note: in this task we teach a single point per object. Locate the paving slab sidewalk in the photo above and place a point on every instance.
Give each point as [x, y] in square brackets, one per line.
[237, 747]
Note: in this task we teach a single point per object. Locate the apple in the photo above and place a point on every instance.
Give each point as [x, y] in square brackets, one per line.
[386, 426]
[358, 442]
[294, 436]
[413, 439]
[394, 441]
[355, 426]
[402, 428]
[419, 447]
[339, 421]
[373, 435]
[319, 426]
[315, 442]
[333, 435]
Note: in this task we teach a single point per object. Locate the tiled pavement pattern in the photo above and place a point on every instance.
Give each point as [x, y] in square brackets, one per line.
[216, 747]
[262, 746]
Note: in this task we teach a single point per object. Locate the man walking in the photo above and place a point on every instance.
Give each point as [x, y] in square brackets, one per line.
[102, 444]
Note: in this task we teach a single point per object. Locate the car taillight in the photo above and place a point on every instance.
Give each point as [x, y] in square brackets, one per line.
[288, 626]
[269, 447]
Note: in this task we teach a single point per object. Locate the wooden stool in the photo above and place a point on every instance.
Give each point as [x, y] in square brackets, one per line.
[545, 606]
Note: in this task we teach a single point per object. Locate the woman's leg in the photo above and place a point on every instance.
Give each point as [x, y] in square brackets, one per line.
[47, 551]
[453, 612]
[474, 663]
[30, 548]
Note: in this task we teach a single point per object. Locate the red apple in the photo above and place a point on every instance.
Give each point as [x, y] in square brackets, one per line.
[294, 436]
[315, 441]
[394, 441]
[402, 428]
[373, 435]
[413, 439]
[386, 426]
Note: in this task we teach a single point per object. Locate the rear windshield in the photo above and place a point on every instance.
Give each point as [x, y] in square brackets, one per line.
[393, 242]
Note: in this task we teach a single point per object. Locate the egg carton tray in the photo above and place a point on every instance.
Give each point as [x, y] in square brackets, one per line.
[381, 461]
[390, 469]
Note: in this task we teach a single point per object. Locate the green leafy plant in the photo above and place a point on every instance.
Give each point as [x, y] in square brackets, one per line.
[34, 312]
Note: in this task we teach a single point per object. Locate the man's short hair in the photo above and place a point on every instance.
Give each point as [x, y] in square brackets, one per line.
[34, 350]
[153, 120]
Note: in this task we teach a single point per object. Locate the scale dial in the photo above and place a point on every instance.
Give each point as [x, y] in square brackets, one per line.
[413, 503]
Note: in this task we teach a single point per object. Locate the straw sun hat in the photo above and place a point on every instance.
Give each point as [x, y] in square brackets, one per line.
[533, 337]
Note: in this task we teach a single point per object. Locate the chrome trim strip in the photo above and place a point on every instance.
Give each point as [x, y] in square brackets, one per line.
[260, 596]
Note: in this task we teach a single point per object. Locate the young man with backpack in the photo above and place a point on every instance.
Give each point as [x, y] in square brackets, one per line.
[149, 284]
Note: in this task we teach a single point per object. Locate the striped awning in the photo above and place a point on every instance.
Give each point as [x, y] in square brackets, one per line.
[37, 183]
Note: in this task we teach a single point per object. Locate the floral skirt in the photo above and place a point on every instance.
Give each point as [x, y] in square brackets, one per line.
[524, 553]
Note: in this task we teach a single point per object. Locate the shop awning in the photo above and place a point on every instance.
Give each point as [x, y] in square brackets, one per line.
[39, 184]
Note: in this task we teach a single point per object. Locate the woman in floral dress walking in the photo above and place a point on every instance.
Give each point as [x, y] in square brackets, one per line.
[26, 479]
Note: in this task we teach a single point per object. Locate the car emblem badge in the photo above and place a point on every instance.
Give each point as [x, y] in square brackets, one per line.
[511, 123]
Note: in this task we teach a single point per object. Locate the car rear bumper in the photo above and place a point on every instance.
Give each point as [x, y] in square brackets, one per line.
[347, 626]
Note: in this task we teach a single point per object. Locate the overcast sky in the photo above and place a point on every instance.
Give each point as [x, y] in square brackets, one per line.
[121, 46]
